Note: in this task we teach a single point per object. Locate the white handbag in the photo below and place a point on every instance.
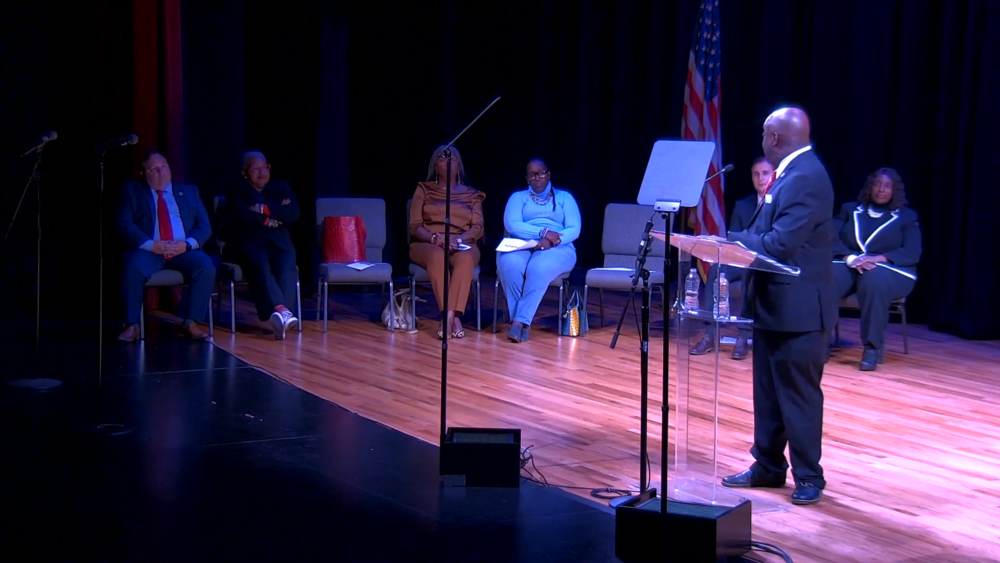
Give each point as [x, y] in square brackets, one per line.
[403, 319]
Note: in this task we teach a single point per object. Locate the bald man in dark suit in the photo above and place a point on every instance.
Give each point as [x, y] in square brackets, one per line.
[792, 314]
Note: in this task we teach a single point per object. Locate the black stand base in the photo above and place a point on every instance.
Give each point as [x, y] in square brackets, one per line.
[698, 532]
[39, 384]
[481, 457]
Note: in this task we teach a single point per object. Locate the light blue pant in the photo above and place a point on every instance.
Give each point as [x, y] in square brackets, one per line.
[526, 274]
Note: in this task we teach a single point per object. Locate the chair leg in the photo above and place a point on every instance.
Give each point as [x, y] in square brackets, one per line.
[906, 341]
[298, 304]
[836, 335]
[319, 292]
[560, 311]
[142, 319]
[218, 302]
[232, 307]
[586, 303]
[496, 300]
[326, 296]
[211, 318]
[601, 291]
[479, 307]
[392, 307]
[413, 301]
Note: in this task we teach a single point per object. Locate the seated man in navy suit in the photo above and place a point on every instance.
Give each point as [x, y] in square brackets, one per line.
[760, 174]
[164, 225]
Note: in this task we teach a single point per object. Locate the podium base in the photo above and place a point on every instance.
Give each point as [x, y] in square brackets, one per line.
[697, 532]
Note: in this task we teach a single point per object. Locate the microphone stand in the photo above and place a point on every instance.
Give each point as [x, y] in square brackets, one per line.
[641, 272]
[36, 383]
[446, 331]
[108, 429]
[665, 410]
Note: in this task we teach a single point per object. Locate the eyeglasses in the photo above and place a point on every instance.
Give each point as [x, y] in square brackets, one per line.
[533, 175]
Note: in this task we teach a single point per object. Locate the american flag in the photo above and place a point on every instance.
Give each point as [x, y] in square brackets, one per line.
[702, 106]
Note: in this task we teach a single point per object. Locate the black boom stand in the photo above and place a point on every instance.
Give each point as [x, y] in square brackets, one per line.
[640, 273]
[35, 383]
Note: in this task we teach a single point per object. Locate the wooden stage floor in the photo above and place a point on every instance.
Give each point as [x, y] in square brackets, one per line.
[911, 451]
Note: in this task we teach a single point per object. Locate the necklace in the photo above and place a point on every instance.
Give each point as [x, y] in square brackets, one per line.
[874, 214]
[541, 199]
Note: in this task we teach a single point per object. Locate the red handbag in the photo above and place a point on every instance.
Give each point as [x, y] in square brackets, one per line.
[344, 239]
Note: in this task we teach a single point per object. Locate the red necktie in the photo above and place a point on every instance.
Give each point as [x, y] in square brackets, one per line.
[770, 182]
[163, 218]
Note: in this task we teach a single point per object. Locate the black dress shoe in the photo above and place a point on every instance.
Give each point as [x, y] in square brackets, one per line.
[869, 360]
[703, 346]
[742, 349]
[750, 479]
[806, 493]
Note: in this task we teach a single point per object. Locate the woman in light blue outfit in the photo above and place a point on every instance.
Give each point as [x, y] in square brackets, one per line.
[551, 217]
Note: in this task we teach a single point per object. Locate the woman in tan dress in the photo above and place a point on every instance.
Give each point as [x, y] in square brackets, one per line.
[427, 231]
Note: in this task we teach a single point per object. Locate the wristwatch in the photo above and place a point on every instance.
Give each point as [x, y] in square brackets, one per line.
[458, 240]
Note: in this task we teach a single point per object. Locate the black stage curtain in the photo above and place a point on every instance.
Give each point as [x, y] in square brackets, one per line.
[351, 100]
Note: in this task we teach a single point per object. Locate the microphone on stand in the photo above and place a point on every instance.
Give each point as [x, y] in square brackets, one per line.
[50, 136]
[130, 139]
[728, 168]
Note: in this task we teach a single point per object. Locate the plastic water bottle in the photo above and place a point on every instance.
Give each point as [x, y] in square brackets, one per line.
[722, 298]
[691, 285]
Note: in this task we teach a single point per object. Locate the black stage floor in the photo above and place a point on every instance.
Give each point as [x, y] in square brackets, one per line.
[222, 462]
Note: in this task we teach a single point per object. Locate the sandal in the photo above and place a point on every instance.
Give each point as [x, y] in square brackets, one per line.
[459, 334]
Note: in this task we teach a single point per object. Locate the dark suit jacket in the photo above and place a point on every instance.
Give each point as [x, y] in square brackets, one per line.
[795, 230]
[247, 228]
[742, 212]
[898, 239]
[136, 215]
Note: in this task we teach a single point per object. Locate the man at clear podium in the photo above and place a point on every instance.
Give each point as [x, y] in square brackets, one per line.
[792, 314]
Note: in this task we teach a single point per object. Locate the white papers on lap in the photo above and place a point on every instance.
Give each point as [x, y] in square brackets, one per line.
[360, 265]
[512, 244]
[464, 246]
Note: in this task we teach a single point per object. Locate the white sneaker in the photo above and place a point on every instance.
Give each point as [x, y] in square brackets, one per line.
[278, 324]
[288, 320]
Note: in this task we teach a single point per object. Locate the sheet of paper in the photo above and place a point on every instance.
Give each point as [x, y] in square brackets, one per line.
[360, 265]
[512, 244]
[464, 246]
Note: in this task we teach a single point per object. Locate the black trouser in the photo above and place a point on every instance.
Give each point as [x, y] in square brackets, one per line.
[788, 403]
[271, 274]
[708, 297]
[876, 289]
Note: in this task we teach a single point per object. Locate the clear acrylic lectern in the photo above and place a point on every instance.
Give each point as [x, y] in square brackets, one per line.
[693, 474]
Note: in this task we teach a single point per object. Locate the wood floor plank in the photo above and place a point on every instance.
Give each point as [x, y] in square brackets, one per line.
[911, 451]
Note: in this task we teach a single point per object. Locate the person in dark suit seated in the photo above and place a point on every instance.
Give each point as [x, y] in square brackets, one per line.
[260, 212]
[164, 225]
[877, 247]
[760, 174]
[792, 314]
